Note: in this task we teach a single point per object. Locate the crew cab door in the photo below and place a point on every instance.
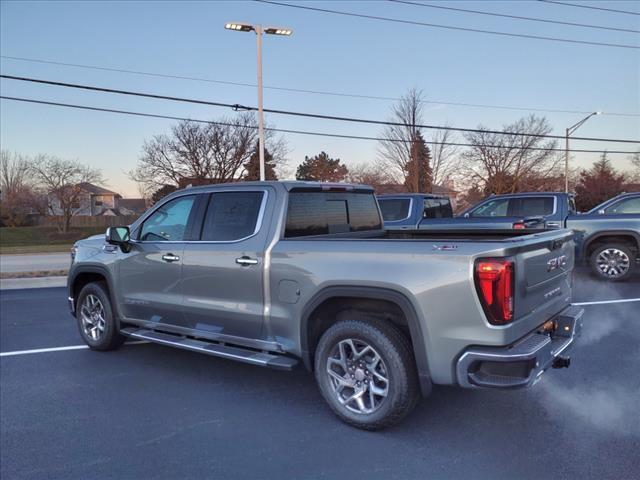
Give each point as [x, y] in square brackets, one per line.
[222, 273]
[149, 275]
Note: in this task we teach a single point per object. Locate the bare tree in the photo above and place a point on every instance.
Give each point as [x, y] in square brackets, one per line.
[635, 166]
[445, 163]
[373, 173]
[400, 143]
[60, 180]
[18, 196]
[214, 152]
[520, 158]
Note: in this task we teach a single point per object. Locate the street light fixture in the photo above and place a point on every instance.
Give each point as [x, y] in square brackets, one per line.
[281, 31]
[569, 131]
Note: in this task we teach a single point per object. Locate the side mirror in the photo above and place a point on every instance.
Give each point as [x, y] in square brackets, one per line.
[601, 211]
[466, 215]
[118, 236]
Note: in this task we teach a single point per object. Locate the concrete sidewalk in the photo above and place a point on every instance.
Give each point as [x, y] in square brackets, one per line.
[36, 282]
[34, 262]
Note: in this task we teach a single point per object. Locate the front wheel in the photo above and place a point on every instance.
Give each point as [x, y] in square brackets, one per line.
[366, 373]
[613, 262]
[96, 320]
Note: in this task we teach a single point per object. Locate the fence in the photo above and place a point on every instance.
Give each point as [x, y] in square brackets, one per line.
[84, 221]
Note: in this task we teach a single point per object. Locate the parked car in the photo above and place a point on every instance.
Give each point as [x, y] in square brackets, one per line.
[607, 238]
[270, 273]
[407, 210]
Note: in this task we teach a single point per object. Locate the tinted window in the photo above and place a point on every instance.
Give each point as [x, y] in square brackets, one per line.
[630, 205]
[394, 209]
[437, 208]
[493, 208]
[168, 222]
[321, 213]
[231, 215]
[536, 206]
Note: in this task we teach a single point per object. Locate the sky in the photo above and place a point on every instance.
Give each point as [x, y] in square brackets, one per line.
[326, 52]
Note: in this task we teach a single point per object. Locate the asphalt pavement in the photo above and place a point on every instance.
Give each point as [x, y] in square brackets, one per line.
[147, 411]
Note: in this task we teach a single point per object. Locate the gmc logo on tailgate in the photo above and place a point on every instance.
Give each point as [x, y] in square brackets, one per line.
[557, 262]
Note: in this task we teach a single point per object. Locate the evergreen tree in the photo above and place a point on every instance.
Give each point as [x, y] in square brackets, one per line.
[252, 166]
[419, 174]
[322, 168]
[598, 184]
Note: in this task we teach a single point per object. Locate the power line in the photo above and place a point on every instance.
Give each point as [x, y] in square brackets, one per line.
[236, 107]
[448, 27]
[577, 5]
[516, 17]
[315, 92]
[297, 132]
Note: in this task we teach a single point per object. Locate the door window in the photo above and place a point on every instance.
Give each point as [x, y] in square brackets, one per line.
[493, 208]
[629, 205]
[169, 222]
[437, 208]
[394, 209]
[536, 206]
[232, 216]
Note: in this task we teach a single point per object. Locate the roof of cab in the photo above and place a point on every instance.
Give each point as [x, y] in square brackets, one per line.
[287, 184]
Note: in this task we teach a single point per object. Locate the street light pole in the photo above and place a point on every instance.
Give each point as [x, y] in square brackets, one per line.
[568, 132]
[259, 30]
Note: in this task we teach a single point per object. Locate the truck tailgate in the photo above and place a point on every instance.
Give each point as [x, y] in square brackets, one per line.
[542, 269]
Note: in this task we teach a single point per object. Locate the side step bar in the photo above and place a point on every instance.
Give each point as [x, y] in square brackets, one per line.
[263, 359]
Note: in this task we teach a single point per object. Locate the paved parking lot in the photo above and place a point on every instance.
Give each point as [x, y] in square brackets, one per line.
[147, 411]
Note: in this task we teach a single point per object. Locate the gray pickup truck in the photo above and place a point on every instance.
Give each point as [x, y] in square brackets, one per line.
[607, 237]
[270, 273]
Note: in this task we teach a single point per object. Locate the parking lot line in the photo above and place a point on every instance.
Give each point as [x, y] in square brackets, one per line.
[139, 342]
[58, 349]
[604, 302]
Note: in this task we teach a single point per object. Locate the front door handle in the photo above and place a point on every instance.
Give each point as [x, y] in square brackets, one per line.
[170, 257]
[246, 261]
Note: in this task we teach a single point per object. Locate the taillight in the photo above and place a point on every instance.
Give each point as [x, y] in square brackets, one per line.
[494, 282]
[519, 226]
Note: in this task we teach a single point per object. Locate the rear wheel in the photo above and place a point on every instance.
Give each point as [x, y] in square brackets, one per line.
[366, 373]
[96, 321]
[613, 262]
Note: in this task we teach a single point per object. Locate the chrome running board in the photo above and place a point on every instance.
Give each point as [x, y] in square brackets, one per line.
[254, 357]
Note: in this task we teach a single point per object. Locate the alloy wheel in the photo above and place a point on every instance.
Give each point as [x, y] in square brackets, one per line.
[358, 376]
[613, 263]
[92, 316]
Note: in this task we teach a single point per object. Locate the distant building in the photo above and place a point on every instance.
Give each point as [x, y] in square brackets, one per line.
[95, 200]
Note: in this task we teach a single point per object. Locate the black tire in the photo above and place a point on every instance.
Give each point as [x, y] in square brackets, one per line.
[395, 351]
[624, 251]
[109, 338]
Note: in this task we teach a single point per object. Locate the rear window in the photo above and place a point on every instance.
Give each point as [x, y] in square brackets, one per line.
[394, 209]
[322, 213]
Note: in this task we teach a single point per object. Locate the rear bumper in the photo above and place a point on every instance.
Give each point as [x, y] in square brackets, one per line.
[521, 364]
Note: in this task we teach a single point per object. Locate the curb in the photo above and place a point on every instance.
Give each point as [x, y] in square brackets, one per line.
[37, 282]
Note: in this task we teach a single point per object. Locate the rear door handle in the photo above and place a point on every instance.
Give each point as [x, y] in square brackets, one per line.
[170, 257]
[246, 261]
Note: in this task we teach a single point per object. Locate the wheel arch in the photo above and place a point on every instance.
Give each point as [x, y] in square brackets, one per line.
[624, 235]
[85, 274]
[343, 297]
